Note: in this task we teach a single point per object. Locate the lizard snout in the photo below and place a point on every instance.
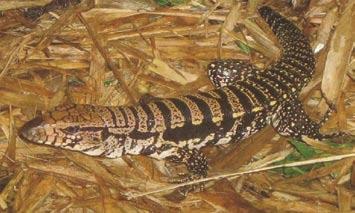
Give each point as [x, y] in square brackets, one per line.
[31, 131]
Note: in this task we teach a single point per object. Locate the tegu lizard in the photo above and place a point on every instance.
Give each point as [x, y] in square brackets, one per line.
[245, 100]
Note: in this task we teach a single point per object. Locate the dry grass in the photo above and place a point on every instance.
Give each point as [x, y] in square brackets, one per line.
[113, 54]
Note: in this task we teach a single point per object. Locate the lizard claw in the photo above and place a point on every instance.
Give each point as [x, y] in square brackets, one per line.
[180, 178]
[181, 193]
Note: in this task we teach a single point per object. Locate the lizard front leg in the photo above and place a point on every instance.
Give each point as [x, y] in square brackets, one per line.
[197, 167]
[227, 72]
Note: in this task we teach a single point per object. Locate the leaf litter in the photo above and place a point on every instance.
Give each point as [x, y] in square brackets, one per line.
[59, 51]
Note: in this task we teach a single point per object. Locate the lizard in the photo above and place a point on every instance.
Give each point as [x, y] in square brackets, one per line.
[245, 100]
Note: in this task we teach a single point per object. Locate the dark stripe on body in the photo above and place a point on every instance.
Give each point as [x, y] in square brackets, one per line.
[244, 100]
[259, 96]
[105, 134]
[138, 135]
[91, 129]
[135, 115]
[204, 108]
[150, 116]
[248, 117]
[183, 108]
[271, 89]
[113, 116]
[123, 112]
[55, 137]
[190, 131]
[165, 111]
[227, 121]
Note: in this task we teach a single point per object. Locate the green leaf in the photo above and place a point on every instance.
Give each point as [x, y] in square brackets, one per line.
[177, 2]
[170, 2]
[108, 82]
[305, 150]
[294, 171]
[244, 47]
[162, 2]
[302, 152]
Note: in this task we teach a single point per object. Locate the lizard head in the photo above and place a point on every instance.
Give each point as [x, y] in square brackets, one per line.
[68, 127]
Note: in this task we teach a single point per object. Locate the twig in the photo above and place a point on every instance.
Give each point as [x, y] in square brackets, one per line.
[105, 55]
[236, 174]
[14, 54]
[210, 16]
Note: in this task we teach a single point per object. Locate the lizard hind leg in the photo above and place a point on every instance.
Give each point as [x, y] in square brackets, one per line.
[291, 120]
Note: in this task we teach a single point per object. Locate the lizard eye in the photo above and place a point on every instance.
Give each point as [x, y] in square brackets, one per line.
[71, 129]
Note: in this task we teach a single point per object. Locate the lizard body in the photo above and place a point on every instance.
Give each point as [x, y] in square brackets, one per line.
[246, 100]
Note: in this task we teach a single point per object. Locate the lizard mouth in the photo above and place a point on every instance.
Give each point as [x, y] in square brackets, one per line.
[31, 131]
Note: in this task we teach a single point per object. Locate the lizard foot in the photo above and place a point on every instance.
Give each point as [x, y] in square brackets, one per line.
[196, 164]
